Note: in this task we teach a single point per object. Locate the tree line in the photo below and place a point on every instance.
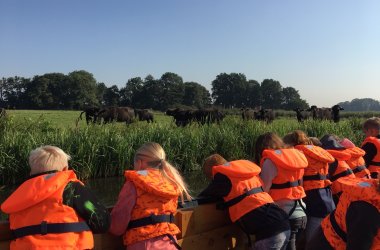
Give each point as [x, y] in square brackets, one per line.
[79, 89]
[363, 104]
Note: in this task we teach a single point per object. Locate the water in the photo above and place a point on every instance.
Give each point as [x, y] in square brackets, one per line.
[107, 189]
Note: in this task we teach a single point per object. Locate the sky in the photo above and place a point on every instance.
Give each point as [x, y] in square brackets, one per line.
[328, 50]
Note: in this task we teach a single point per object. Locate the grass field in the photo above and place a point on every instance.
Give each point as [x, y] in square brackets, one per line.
[106, 150]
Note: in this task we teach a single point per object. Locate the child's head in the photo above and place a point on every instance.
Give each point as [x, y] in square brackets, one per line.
[210, 162]
[345, 142]
[297, 137]
[268, 140]
[152, 155]
[331, 141]
[315, 141]
[371, 127]
[48, 158]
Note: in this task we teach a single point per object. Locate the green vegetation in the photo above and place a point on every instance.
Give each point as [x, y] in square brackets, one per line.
[106, 150]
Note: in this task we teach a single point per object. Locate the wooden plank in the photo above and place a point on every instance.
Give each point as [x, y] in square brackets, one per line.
[225, 238]
[203, 225]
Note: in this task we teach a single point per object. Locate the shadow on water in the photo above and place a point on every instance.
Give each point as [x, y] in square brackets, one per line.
[107, 189]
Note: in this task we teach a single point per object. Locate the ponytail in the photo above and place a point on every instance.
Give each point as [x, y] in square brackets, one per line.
[171, 173]
[155, 156]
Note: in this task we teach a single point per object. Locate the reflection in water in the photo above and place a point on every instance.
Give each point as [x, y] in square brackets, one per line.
[107, 189]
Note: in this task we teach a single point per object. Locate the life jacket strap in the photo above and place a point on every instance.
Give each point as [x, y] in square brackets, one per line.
[374, 163]
[337, 228]
[315, 177]
[175, 243]
[341, 174]
[358, 169]
[151, 220]
[50, 228]
[288, 184]
[236, 200]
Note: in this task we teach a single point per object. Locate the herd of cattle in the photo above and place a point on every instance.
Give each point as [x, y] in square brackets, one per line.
[183, 117]
[319, 113]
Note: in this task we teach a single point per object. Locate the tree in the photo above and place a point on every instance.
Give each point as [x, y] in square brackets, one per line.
[255, 97]
[292, 99]
[172, 90]
[112, 96]
[130, 94]
[230, 90]
[82, 90]
[196, 95]
[272, 93]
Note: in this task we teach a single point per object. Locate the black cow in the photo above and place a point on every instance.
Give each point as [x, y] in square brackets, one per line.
[116, 114]
[91, 114]
[247, 114]
[320, 113]
[181, 117]
[335, 112]
[266, 115]
[302, 114]
[144, 115]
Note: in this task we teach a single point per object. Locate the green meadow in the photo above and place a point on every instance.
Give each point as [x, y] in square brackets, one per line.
[107, 150]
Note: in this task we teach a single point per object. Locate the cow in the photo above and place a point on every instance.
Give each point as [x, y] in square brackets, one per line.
[144, 115]
[247, 114]
[302, 114]
[320, 113]
[91, 114]
[335, 112]
[266, 115]
[182, 117]
[116, 114]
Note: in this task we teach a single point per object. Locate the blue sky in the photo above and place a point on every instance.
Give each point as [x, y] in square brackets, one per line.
[328, 50]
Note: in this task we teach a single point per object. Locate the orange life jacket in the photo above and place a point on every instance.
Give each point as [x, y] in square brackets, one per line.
[246, 192]
[290, 165]
[374, 165]
[156, 204]
[316, 173]
[38, 203]
[357, 163]
[339, 169]
[334, 225]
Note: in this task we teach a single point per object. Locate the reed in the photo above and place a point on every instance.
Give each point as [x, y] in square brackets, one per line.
[107, 150]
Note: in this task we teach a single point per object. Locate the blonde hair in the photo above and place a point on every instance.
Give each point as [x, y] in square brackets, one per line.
[47, 158]
[297, 137]
[154, 155]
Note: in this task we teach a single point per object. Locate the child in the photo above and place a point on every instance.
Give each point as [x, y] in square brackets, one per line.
[144, 212]
[356, 162]
[282, 170]
[319, 200]
[371, 145]
[355, 223]
[52, 209]
[238, 183]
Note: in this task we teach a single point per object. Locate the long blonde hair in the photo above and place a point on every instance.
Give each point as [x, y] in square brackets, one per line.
[154, 155]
